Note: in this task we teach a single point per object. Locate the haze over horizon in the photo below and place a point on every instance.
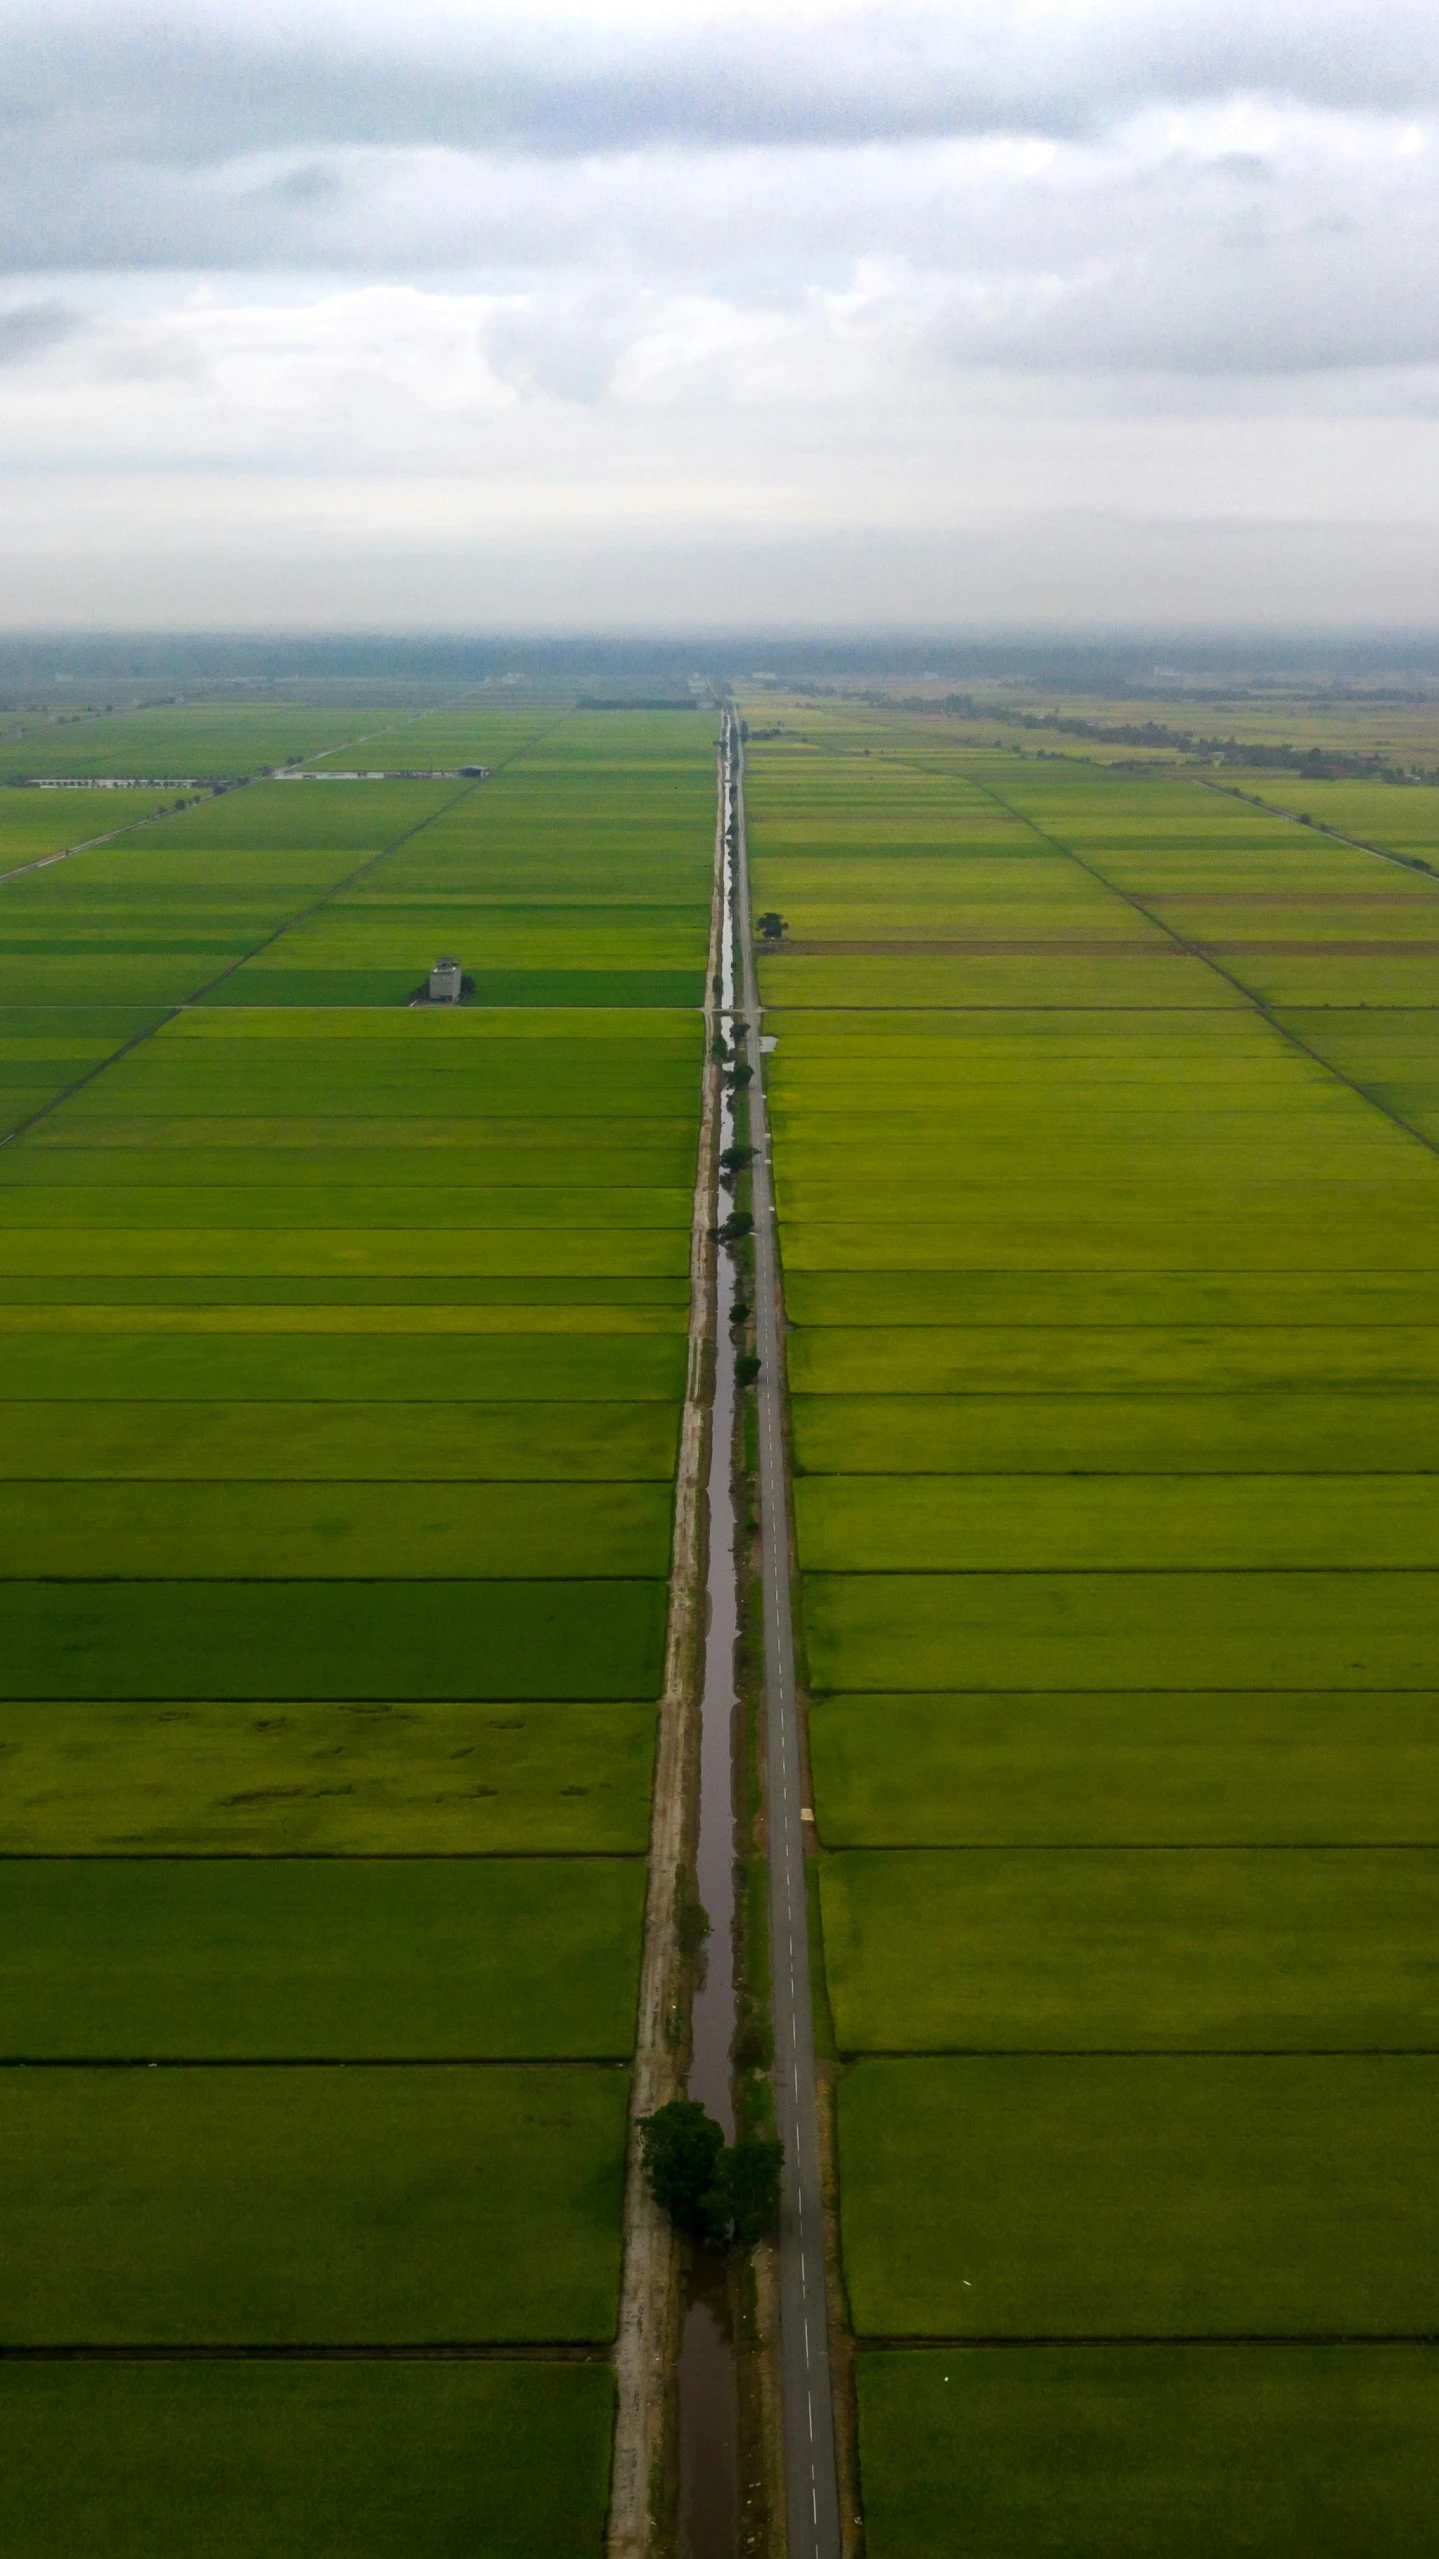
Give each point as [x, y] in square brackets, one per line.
[612, 316]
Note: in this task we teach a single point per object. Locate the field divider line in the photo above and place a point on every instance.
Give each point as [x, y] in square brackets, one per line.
[647, 2333]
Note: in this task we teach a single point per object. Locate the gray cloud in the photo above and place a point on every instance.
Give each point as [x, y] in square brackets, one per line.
[34, 328]
[367, 285]
[88, 80]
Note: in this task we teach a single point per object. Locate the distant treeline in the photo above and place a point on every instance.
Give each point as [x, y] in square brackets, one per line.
[1311, 763]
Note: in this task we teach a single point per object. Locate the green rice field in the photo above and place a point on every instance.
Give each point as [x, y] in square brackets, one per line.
[312, 2460]
[346, 1347]
[1105, 1108]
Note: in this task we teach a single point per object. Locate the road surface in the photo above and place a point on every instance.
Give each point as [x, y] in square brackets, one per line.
[811, 2486]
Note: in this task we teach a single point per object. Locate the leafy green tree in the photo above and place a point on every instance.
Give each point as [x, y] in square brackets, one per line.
[735, 1228]
[727, 2193]
[683, 2151]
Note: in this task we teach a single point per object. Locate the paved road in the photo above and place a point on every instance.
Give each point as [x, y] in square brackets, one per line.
[811, 2487]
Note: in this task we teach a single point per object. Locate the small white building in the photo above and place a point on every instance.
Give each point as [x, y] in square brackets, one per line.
[445, 982]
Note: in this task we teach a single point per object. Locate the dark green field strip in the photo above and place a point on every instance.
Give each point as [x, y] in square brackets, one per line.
[1200, 1105]
[85, 1032]
[825, 1174]
[344, 1779]
[441, 1039]
[1131, 1301]
[258, 1531]
[341, 1443]
[1261, 1433]
[524, 1302]
[343, 1640]
[571, 1089]
[1127, 980]
[1133, 1950]
[382, 923]
[45, 943]
[1168, 2195]
[1337, 1194]
[1061, 1770]
[326, 1206]
[318, 2460]
[1115, 1630]
[1105, 2452]
[1036, 1359]
[416, 1147]
[458, 1043]
[613, 989]
[357, 2206]
[1015, 1233]
[406, 1181]
[1116, 1523]
[611, 1251]
[1036, 1035]
[319, 1959]
[265, 1353]
[106, 981]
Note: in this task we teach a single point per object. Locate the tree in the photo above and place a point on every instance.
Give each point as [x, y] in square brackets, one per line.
[735, 1228]
[746, 1368]
[683, 2150]
[726, 2193]
[772, 926]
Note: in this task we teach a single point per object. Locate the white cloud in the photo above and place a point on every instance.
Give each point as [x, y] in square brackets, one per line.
[656, 275]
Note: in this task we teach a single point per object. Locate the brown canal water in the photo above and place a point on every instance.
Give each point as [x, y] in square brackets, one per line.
[709, 2500]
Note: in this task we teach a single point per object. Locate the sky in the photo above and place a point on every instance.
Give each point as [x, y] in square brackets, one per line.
[1060, 314]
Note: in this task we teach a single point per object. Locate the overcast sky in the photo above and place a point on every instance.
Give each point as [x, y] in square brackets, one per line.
[449, 315]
